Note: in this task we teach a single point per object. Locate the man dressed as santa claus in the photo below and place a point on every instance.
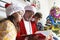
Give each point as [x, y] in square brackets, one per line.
[26, 26]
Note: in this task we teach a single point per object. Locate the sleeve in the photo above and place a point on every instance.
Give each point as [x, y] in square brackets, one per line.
[9, 32]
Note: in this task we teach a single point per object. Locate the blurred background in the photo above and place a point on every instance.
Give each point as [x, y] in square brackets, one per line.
[44, 7]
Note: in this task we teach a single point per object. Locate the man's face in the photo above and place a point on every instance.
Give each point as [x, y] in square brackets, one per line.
[28, 15]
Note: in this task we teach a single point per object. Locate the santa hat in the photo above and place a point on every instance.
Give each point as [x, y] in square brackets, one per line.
[12, 8]
[30, 7]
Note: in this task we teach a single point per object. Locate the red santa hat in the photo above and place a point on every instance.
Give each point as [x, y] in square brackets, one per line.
[12, 8]
[30, 7]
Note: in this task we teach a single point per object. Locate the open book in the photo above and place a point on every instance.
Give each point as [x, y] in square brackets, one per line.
[46, 32]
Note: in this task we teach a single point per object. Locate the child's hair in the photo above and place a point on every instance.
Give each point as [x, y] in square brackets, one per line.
[38, 15]
[11, 18]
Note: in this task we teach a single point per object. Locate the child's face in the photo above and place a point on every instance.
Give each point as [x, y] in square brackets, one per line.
[18, 16]
[37, 19]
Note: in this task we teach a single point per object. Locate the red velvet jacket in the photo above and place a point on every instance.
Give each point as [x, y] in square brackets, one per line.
[23, 30]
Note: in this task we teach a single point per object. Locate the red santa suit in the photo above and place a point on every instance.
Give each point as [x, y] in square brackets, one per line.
[32, 30]
[26, 29]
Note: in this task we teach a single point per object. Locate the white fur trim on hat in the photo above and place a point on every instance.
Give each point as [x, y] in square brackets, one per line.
[13, 8]
[32, 8]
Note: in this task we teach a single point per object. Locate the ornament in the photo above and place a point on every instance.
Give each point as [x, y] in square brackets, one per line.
[37, 3]
[55, 12]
